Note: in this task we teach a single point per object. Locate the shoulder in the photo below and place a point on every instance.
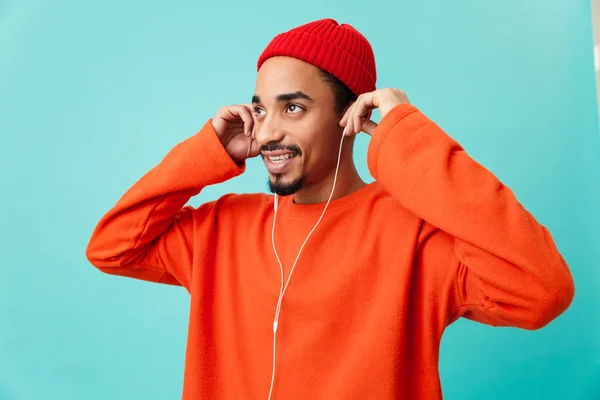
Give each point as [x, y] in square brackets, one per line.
[245, 200]
[231, 206]
[384, 203]
[238, 205]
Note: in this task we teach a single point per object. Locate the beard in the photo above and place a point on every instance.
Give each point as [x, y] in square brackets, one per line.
[285, 188]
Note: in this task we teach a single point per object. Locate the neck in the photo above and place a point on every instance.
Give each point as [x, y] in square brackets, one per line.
[348, 181]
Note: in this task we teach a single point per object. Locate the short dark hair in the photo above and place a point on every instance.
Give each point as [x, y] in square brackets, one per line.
[343, 95]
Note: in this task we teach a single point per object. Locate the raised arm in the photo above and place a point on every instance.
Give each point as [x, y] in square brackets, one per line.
[503, 266]
[149, 234]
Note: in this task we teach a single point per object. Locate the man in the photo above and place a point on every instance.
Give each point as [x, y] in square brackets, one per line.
[331, 288]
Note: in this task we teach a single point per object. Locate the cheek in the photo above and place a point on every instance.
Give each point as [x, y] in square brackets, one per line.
[318, 141]
[321, 155]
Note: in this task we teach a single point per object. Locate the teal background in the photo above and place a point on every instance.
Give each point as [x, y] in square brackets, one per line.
[93, 94]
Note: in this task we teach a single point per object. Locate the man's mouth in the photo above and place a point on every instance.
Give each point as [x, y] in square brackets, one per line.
[278, 162]
[281, 158]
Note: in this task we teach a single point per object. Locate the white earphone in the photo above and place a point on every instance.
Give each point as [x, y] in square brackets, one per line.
[283, 288]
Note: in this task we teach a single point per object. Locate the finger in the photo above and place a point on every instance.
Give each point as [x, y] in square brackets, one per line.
[368, 126]
[246, 116]
[357, 123]
[253, 149]
[349, 130]
[364, 106]
[350, 120]
[250, 108]
[249, 148]
[346, 114]
[239, 114]
[357, 116]
[254, 119]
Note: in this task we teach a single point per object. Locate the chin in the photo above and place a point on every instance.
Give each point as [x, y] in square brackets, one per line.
[283, 186]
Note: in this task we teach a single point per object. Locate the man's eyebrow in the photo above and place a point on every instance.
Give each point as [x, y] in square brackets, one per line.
[293, 96]
[286, 97]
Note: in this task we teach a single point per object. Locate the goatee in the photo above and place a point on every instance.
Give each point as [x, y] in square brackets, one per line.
[285, 188]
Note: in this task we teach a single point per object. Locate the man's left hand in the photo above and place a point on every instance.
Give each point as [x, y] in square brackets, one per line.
[355, 119]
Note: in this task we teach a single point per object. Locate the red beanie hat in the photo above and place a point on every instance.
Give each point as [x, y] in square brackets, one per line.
[338, 49]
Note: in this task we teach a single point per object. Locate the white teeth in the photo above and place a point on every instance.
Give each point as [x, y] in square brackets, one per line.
[280, 159]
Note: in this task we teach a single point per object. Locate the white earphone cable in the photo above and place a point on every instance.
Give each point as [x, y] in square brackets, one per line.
[284, 288]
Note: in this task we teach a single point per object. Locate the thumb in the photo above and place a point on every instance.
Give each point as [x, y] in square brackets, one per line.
[253, 149]
[369, 126]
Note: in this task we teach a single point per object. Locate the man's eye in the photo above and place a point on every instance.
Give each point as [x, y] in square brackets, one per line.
[294, 108]
[257, 111]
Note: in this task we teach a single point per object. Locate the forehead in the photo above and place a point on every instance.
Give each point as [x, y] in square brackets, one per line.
[286, 75]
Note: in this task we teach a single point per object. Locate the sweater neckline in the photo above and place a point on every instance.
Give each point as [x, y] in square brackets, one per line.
[291, 209]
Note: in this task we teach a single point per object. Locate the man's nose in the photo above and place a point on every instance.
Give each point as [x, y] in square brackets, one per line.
[268, 131]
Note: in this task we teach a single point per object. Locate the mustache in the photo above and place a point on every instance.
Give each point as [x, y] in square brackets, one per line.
[279, 146]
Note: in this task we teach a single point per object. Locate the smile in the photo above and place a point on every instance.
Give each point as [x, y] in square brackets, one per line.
[281, 158]
[279, 163]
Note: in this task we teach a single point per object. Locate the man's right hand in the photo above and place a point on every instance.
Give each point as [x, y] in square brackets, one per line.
[235, 127]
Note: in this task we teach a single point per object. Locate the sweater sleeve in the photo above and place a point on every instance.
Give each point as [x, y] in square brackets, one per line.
[502, 266]
[149, 233]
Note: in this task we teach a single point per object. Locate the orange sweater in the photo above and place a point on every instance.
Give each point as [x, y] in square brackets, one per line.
[434, 238]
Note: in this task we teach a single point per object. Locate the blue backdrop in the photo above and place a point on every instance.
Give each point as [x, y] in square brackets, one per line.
[93, 94]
